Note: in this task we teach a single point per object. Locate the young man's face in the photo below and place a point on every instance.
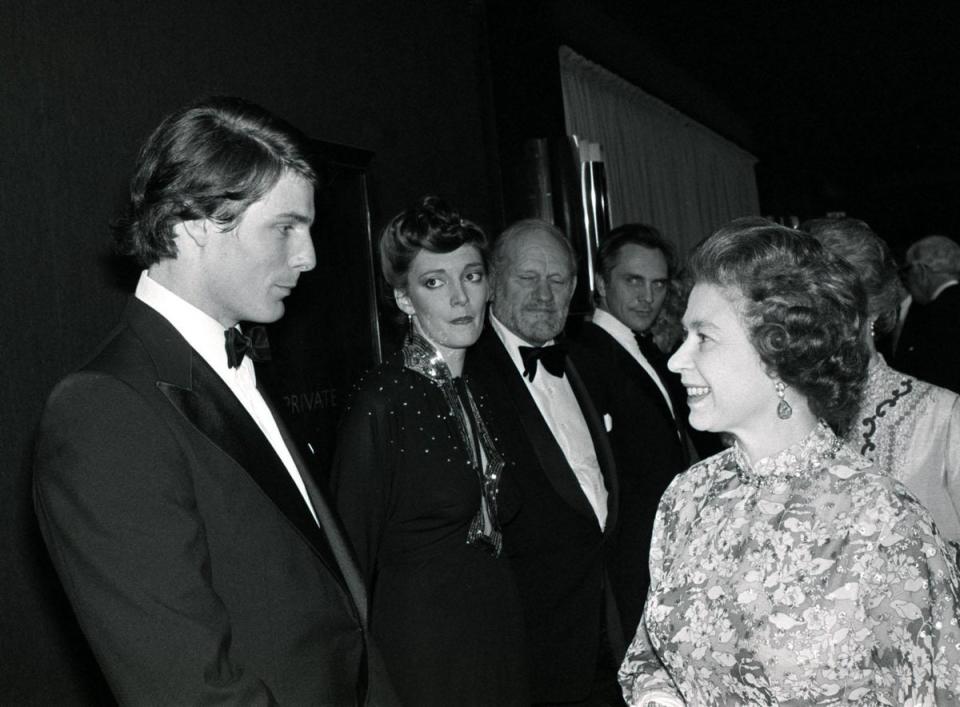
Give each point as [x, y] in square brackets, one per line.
[637, 287]
[250, 269]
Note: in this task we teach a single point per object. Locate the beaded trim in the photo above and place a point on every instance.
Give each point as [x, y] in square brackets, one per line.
[882, 377]
[805, 458]
[420, 357]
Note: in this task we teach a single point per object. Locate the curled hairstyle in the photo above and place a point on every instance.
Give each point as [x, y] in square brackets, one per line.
[803, 308]
[854, 241]
[211, 159]
[633, 234]
[429, 225]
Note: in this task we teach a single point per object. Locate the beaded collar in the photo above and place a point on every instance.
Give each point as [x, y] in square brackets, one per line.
[804, 459]
[420, 356]
[882, 381]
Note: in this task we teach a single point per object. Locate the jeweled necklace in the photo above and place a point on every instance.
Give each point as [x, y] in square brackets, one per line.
[814, 461]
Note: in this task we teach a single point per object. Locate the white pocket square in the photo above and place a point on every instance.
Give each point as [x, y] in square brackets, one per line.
[607, 421]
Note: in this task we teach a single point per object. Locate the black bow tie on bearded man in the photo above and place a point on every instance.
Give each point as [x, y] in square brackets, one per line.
[552, 357]
[253, 344]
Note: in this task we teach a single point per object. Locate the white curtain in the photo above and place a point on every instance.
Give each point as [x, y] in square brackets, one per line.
[662, 168]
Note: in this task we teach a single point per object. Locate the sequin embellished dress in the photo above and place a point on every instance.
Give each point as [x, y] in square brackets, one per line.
[805, 579]
[910, 429]
[422, 518]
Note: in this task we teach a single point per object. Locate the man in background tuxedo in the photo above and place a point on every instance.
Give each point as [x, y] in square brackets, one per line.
[628, 379]
[558, 496]
[928, 344]
[203, 563]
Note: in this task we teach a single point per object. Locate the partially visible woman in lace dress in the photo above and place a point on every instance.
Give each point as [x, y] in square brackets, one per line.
[909, 428]
[416, 476]
[786, 570]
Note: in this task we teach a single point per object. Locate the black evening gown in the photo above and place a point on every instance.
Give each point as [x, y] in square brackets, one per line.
[445, 612]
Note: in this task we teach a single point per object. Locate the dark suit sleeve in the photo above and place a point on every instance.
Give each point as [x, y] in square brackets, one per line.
[117, 509]
[361, 476]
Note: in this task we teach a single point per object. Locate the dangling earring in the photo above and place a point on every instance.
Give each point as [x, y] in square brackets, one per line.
[410, 328]
[784, 411]
[873, 329]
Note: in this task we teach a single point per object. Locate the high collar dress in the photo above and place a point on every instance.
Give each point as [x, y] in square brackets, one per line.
[806, 578]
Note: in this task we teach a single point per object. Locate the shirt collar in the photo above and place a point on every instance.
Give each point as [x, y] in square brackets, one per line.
[615, 328]
[511, 341]
[202, 332]
[936, 292]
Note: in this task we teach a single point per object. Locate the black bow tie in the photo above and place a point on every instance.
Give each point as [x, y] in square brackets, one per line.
[552, 357]
[254, 344]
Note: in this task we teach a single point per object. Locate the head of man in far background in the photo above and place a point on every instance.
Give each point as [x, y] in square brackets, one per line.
[636, 265]
[932, 262]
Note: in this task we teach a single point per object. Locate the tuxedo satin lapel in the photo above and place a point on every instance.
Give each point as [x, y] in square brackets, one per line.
[601, 443]
[328, 520]
[554, 464]
[629, 366]
[651, 388]
[215, 411]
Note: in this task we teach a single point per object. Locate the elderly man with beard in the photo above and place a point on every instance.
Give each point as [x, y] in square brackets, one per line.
[558, 495]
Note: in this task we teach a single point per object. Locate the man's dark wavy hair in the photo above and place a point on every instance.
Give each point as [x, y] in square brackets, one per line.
[804, 309]
[210, 159]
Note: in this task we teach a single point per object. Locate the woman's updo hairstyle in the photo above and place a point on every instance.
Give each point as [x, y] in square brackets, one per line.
[430, 225]
[854, 241]
[803, 308]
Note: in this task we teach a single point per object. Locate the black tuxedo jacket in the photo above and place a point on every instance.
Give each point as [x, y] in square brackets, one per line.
[930, 339]
[192, 562]
[550, 532]
[649, 452]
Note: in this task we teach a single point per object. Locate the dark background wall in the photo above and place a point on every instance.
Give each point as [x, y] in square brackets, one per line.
[81, 85]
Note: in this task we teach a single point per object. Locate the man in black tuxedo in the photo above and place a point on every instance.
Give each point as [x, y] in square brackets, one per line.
[628, 379]
[927, 346]
[558, 496]
[203, 563]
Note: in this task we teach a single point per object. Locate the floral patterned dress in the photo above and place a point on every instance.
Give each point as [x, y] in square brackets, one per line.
[805, 579]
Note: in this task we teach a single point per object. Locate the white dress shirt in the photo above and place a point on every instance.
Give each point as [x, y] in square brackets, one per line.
[626, 338]
[558, 404]
[206, 336]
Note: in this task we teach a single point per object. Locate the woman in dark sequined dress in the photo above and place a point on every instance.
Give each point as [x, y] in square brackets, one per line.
[415, 478]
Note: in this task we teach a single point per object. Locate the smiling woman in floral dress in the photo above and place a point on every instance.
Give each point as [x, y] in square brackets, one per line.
[786, 570]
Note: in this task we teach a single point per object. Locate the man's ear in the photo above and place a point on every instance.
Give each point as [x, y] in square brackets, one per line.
[195, 229]
[601, 288]
[403, 301]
